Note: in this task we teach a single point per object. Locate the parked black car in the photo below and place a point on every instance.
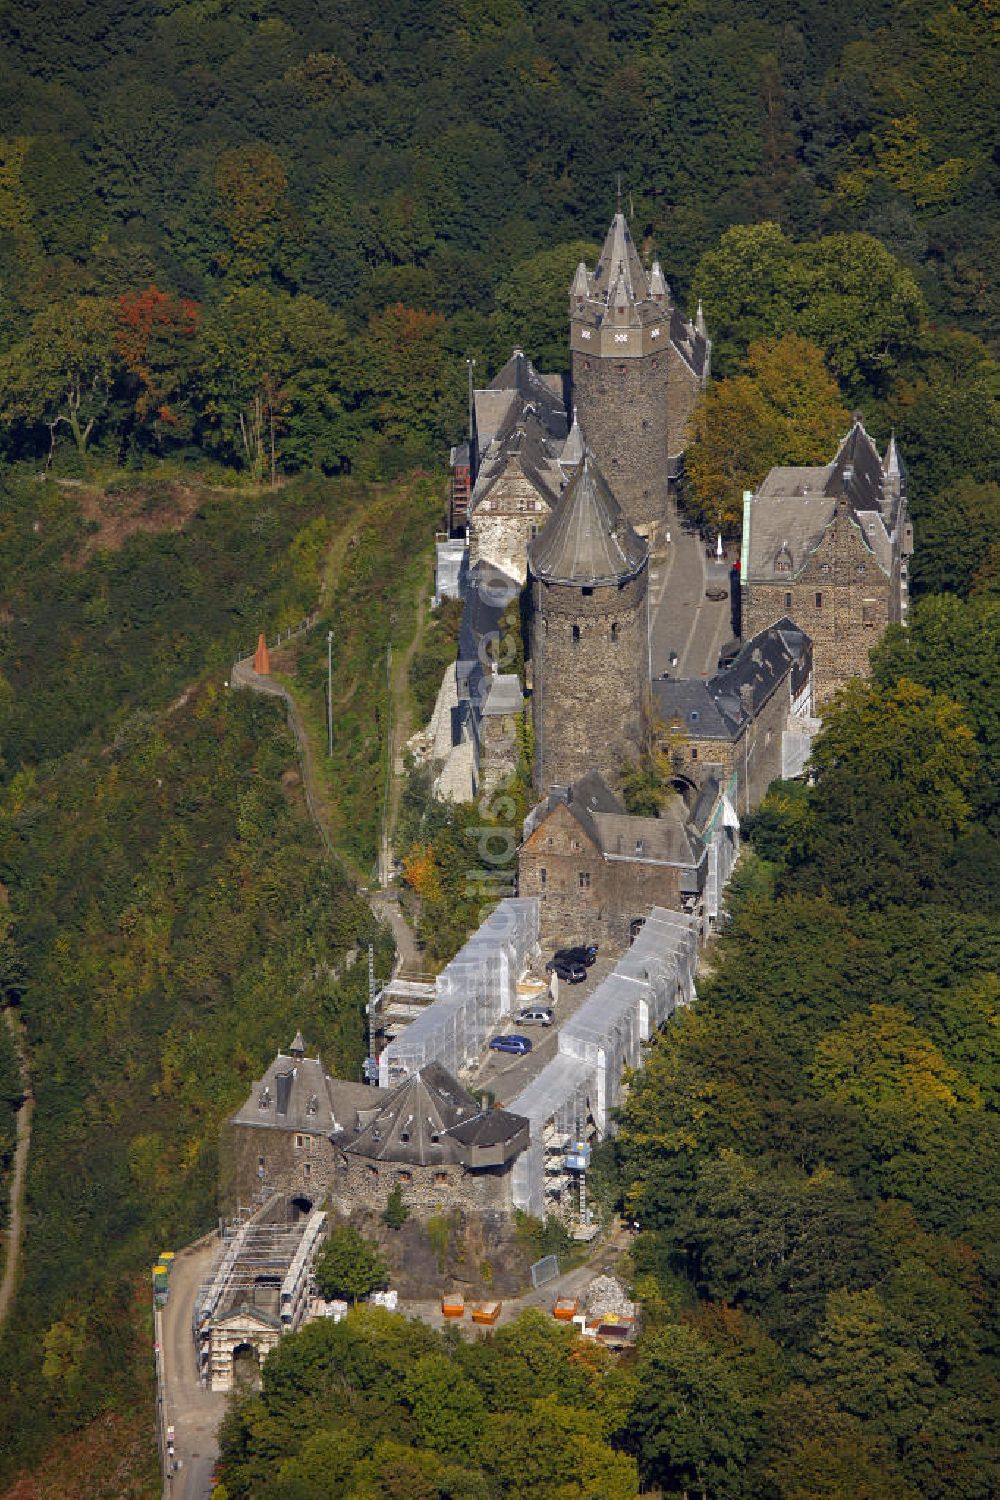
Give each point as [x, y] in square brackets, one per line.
[585, 953]
[570, 973]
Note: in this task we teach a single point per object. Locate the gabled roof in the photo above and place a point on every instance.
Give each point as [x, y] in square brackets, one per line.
[584, 797]
[721, 708]
[793, 506]
[516, 384]
[521, 447]
[294, 1094]
[662, 840]
[588, 539]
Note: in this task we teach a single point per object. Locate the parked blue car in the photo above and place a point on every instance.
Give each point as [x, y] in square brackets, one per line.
[519, 1045]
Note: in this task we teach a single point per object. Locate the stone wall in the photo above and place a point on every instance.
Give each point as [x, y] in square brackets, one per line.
[321, 1172]
[755, 756]
[584, 897]
[842, 599]
[500, 529]
[498, 751]
[622, 408]
[590, 664]
[683, 386]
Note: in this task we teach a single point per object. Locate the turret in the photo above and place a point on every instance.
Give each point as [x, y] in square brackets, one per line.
[588, 569]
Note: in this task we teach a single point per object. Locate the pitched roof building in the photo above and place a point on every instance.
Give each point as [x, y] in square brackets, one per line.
[747, 725]
[827, 546]
[307, 1134]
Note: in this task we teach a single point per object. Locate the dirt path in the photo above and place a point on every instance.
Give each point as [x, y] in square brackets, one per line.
[384, 903]
[15, 1231]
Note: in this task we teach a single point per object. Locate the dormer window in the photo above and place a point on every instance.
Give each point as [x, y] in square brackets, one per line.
[783, 559]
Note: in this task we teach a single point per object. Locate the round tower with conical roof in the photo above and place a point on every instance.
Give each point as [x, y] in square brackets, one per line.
[589, 634]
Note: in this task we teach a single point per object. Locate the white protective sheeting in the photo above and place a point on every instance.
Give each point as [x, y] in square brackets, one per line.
[583, 1082]
[473, 992]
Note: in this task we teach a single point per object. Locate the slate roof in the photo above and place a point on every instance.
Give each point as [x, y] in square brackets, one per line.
[514, 386]
[619, 261]
[490, 1128]
[521, 443]
[714, 710]
[588, 539]
[586, 796]
[620, 289]
[662, 840]
[412, 1124]
[294, 1094]
[616, 833]
[794, 505]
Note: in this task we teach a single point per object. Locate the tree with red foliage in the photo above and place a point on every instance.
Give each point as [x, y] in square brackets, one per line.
[155, 341]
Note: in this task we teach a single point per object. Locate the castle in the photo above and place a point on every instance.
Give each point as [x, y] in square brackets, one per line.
[567, 509]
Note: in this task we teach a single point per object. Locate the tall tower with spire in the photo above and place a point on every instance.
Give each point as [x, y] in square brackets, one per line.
[638, 365]
[589, 647]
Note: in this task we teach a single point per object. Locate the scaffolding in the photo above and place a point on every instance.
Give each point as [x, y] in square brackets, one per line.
[265, 1264]
[574, 1094]
[473, 992]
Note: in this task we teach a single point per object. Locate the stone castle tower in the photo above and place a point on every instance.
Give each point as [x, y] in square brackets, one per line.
[637, 367]
[590, 654]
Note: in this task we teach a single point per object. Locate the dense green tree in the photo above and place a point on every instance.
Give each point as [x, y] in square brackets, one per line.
[953, 648]
[893, 771]
[349, 1266]
[957, 532]
[534, 295]
[60, 374]
[844, 292]
[694, 1430]
[271, 382]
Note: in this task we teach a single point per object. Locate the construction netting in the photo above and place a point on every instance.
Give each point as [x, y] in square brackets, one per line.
[473, 993]
[574, 1094]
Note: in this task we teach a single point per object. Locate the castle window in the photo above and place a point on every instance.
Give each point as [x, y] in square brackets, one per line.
[640, 846]
[819, 601]
[373, 1173]
[307, 1169]
[543, 876]
[440, 1178]
[614, 630]
[260, 1164]
[404, 1136]
[587, 590]
[534, 532]
[402, 1176]
[868, 613]
[824, 567]
[694, 752]
[861, 570]
[576, 632]
[583, 879]
[303, 1142]
[783, 560]
[788, 601]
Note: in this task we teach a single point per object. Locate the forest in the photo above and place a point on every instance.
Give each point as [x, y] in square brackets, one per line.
[245, 254]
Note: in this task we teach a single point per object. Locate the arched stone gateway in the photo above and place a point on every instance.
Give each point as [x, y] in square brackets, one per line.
[246, 1366]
